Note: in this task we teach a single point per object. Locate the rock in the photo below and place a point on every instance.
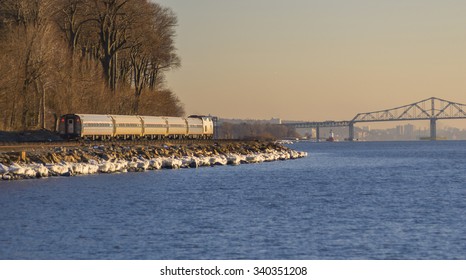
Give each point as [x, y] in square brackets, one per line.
[218, 160]
[155, 163]
[7, 176]
[3, 169]
[17, 169]
[30, 173]
[204, 161]
[171, 163]
[252, 158]
[142, 165]
[69, 158]
[55, 158]
[41, 171]
[233, 159]
[58, 169]
[93, 168]
[109, 159]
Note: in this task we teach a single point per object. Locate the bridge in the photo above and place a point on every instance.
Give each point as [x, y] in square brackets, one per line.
[432, 109]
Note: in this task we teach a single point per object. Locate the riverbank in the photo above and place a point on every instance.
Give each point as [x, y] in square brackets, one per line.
[111, 158]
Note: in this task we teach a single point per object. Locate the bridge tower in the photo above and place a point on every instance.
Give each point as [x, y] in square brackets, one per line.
[351, 131]
[433, 129]
[433, 121]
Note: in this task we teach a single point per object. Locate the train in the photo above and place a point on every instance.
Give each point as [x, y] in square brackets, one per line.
[125, 127]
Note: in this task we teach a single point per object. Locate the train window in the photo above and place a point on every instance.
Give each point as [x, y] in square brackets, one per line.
[155, 125]
[97, 125]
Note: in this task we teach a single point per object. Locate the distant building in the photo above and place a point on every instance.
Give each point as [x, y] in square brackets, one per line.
[409, 130]
[366, 128]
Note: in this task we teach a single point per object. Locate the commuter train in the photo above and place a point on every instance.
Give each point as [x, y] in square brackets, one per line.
[103, 127]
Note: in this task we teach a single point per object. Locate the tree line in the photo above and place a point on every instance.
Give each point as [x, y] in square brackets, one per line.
[86, 56]
[256, 131]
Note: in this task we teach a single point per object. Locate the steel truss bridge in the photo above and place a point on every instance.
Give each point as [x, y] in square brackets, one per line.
[432, 109]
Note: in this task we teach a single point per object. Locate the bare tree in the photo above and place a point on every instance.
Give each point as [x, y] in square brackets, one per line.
[72, 18]
[161, 102]
[89, 56]
[113, 29]
[152, 50]
[30, 38]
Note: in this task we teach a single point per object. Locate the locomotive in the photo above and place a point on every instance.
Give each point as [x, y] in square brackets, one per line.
[104, 127]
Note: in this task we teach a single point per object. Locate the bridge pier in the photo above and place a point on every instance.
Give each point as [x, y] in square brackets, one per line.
[317, 133]
[433, 129]
[351, 132]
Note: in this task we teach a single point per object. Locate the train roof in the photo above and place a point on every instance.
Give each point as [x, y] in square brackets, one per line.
[94, 117]
[133, 118]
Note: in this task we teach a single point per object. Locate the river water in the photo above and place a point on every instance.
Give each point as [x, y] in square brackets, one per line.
[361, 200]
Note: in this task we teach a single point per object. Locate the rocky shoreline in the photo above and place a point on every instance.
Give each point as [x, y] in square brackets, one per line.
[112, 158]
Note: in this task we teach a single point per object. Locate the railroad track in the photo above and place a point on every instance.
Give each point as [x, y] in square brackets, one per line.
[29, 146]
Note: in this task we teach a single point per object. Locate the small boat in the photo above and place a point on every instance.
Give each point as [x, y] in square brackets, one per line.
[331, 138]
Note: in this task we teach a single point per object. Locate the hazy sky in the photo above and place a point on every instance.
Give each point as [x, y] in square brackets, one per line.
[316, 59]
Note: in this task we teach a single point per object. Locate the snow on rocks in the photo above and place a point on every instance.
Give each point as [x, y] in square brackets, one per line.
[189, 162]
[4, 169]
[156, 163]
[41, 170]
[140, 163]
[218, 160]
[233, 159]
[171, 163]
[60, 169]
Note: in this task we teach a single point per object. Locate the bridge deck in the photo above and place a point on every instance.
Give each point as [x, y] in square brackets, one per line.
[319, 124]
[431, 109]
